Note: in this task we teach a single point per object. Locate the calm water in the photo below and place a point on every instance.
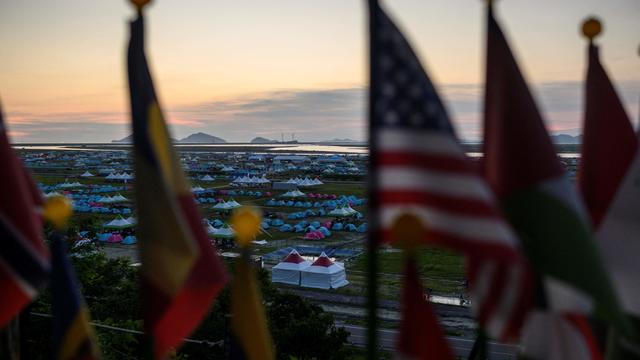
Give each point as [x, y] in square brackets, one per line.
[297, 148]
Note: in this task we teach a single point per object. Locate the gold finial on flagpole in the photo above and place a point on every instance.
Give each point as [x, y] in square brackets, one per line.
[246, 224]
[408, 231]
[139, 4]
[57, 210]
[591, 28]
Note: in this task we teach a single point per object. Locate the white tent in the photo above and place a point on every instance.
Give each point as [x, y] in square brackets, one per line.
[207, 178]
[288, 270]
[323, 274]
[118, 223]
[87, 174]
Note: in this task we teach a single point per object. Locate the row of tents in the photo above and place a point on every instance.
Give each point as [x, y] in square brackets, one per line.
[321, 274]
[251, 180]
[119, 176]
[112, 199]
[305, 182]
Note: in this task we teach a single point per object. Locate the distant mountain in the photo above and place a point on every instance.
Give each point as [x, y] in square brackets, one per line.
[202, 138]
[125, 140]
[261, 140]
[566, 139]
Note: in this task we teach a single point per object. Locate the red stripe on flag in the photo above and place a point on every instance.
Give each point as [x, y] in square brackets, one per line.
[459, 206]
[426, 161]
[581, 325]
[206, 279]
[470, 246]
[13, 298]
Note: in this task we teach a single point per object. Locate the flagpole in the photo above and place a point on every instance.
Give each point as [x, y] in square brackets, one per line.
[373, 235]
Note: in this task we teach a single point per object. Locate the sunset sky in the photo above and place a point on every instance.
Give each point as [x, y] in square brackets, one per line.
[239, 69]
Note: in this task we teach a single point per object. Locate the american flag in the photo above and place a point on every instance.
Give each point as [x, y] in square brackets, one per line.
[419, 168]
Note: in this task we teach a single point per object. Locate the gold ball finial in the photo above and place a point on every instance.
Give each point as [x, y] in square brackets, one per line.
[139, 4]
[591, 28]
[58, 210]
[246, 224]
[408, 231]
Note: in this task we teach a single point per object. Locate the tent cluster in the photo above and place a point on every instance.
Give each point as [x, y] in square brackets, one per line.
[321, 274]
[293, 194]
[250, 181]
[120, 223]
[68, 185]
[305, 182]
[112, 199]
[226, 205]
[222, 232]
[119, 176]
[343, 211]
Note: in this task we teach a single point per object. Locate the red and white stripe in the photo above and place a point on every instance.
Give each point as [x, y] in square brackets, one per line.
[427, 174]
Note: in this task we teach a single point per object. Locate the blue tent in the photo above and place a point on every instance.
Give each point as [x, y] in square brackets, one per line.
[350, 227]
[324, 231]
[285, 228]
[337, 226]
[277, 222]
[104, 236]
[129, 240]
[362, 228]
[315, 224]
[298, 228]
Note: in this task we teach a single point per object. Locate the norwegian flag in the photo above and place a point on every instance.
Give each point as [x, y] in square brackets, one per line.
[419, 168]
[24, 259]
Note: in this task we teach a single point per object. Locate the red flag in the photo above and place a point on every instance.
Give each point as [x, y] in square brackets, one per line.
[608, 141]
[421, 336]
[24, 259]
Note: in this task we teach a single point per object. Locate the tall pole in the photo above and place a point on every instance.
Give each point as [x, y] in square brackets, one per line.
[372, 244]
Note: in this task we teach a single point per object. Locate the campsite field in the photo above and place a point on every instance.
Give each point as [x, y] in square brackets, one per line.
[442, 271]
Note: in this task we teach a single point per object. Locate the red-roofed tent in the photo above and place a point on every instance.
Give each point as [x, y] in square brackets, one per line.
[288, 270]
[323, 274]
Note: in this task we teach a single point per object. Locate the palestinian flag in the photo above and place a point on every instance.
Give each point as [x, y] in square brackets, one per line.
[609, 147]
[521, 166]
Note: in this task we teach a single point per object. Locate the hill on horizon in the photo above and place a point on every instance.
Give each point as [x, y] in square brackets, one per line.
[202, 138]
[261, 140]
[197, 138]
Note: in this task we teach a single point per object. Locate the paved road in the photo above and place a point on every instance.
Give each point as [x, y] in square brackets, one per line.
[460, 346]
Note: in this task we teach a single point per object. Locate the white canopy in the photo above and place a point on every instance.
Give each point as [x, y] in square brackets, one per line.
[288, 270]
[87, 174]
[323, 274]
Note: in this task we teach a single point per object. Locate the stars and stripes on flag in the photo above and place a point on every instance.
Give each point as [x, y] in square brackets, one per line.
[181, 272]
[73, 335]
[24, 259]
[420, 169]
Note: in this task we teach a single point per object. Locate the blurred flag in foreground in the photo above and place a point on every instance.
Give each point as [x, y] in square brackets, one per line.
[420, 335]
[181, 273]
[608, 140]
[73, 336]
[24, 259]
[249, 332]
[421, 170]
[521, 165]
[609, 146]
